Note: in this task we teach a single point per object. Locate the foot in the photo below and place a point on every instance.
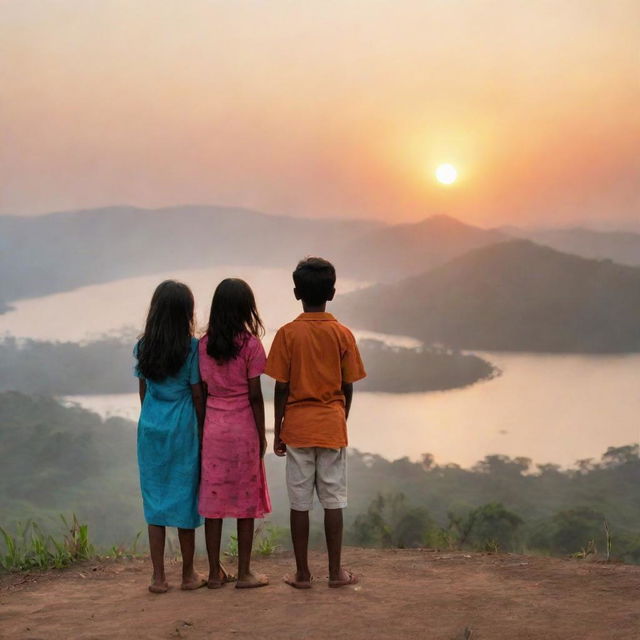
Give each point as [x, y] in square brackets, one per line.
[299, 580]
[252, 581]
[216, 581]
[159, 586]
[343, 579]
[193, 581]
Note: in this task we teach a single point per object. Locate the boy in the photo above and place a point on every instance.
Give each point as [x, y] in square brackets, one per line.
[315, 362]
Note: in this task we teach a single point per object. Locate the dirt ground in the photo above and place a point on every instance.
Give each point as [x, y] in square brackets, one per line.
[402, 594]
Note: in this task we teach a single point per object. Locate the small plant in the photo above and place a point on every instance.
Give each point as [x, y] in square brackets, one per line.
[119, 551]
[491, 546]
[267, 539]
[588, 550]
[232, 547]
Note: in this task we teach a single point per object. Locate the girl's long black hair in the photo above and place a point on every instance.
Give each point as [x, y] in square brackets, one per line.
[233, 312]
[164, 345]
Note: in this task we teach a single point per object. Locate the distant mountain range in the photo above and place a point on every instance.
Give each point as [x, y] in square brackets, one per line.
[510, 296]
[61, 251]
[473, 287]
[385, 254]
[619, 246]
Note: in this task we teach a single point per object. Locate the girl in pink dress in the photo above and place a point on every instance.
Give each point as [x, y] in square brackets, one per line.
[233, 482]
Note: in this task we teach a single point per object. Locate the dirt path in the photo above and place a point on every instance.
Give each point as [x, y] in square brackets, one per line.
[402, 594]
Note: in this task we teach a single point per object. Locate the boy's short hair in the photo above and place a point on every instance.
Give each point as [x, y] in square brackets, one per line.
[315, 280]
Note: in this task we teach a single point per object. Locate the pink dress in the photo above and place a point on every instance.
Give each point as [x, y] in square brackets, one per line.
[233, 483]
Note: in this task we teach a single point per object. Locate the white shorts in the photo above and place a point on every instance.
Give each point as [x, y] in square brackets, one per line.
[319, 468]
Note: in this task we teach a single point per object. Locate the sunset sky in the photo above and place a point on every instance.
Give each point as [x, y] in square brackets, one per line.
[325, 107]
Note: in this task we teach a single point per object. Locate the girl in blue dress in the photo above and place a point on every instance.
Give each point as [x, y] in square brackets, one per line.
[170, 427]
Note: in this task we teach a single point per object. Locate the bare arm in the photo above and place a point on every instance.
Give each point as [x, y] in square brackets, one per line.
[347, 389]
[257, 406]
[280, 395]
[199, 402]
[142, 389]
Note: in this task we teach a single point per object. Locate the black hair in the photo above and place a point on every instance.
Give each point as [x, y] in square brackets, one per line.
[315, 280]
[233, 312]
[164, 345]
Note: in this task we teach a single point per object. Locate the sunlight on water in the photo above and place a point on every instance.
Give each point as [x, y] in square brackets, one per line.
[552, 408]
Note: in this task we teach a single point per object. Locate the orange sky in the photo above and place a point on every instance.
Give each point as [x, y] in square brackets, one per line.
[324, 107]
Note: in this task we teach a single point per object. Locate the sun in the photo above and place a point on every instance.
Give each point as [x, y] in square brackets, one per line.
[446, 174]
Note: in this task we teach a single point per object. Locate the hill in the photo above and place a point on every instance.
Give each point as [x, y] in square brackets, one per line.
[510, 296]
[401, 594]
[60, 251]
[619, 246]
[388, 253]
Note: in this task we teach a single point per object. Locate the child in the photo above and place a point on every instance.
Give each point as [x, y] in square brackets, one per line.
[315, 362]
[168, 431]
[233, 482]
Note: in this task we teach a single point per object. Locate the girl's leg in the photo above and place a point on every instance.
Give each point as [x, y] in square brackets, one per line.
[190, 579]
[246, 579]
[156, 547]
[213, 535]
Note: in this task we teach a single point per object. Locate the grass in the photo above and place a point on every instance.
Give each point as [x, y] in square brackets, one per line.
[30, 548]
[265, 542]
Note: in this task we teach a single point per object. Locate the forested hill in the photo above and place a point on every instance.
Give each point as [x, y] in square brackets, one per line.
[509, 296]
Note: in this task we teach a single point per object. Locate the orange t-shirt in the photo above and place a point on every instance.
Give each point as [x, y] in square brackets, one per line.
[315, 354]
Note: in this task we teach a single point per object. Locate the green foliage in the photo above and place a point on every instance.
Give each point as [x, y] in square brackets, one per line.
[489, 527]
[57, 459]
[31, 548]
[232, 547]
[501, 504]
[268, 540]
[391, 522]
[404, 370]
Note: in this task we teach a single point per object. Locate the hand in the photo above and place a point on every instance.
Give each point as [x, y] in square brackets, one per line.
[263, 447]
[279, 448]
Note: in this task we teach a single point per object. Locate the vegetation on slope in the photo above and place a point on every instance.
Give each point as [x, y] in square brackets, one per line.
[513, 296]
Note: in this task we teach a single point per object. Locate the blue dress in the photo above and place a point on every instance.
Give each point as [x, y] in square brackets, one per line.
[169, 448]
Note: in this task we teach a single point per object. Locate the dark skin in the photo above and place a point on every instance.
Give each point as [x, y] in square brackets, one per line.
[213, 526]
[299, 520]
[187, 537]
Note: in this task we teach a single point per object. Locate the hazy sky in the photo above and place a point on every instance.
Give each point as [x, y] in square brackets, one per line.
[324, 107]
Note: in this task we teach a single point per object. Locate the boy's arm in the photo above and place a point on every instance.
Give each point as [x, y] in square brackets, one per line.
[257, 406]
[280, 395]
[347, 389]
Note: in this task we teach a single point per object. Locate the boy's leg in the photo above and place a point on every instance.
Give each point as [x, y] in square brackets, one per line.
[331, 482]
[300, 537]
[301, 473]
[156, 548]
[247, 579]
[213, 536]
[333, 535]
[190, 579]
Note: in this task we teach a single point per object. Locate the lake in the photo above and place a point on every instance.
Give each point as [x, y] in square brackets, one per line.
[552, 408]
